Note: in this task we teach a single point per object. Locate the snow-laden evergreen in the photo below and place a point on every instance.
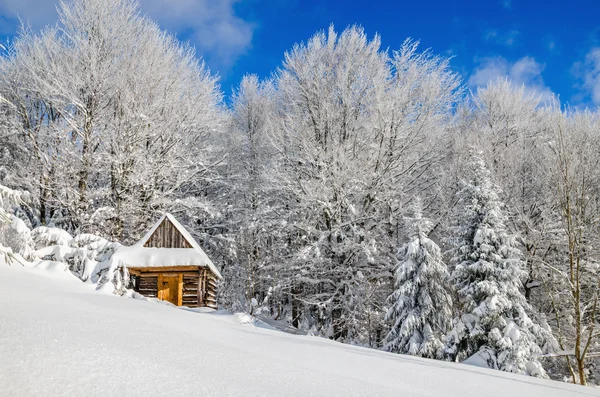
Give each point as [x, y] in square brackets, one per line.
[421, 306]
[494, 325]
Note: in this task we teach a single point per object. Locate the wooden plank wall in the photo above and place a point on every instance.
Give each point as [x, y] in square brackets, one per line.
[166, 235]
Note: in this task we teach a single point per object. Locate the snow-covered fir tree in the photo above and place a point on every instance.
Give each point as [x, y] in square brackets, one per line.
[494, 326]
[421, 306]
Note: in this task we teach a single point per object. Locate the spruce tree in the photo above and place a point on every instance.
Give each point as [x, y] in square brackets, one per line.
[494, 328]
[420, 309]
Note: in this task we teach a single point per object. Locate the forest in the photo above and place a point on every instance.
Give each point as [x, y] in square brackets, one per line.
[359, 193]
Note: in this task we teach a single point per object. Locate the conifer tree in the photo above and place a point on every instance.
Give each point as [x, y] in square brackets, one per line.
[420, 308]
[494, 327]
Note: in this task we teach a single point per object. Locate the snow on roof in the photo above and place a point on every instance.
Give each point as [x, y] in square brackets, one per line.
[139, 256]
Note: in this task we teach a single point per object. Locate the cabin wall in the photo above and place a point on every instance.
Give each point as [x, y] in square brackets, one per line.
[200, 290]
[207, 289]
[199, 286]
[166, 235]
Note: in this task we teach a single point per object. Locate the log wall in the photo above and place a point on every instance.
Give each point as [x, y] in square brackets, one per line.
[207, 289]
[190, 290]
[148, 285]
[210, 299]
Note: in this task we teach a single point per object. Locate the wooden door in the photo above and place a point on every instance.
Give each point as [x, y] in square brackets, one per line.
[168, 288]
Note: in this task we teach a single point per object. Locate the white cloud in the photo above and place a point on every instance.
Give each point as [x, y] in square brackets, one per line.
[525, 71]
[490, 34]
[551, 44]
[37, 13]
[211, 25]
[508, 38]
[216, 30]
[588, 73]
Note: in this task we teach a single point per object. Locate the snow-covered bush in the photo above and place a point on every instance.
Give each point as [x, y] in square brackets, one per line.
[86, 255]
[14, 233]
[47, 236]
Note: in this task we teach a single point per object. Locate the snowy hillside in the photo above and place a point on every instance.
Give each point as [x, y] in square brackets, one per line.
[59, 337]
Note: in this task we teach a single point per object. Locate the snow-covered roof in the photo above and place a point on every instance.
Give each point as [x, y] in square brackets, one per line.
[139, 256]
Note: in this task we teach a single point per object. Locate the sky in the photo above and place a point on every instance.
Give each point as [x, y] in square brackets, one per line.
[552, 47]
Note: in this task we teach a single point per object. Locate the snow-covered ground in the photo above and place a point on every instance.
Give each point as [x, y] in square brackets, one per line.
[60, 337]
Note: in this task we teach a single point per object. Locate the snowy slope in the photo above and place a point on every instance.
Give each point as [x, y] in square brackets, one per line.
[59, 337]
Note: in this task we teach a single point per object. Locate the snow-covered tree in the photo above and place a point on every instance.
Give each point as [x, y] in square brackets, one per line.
[495, 324]
[117, 118]
[509, 127]
[420, 306]
[572, 271]
[353, 128]
[254, 200]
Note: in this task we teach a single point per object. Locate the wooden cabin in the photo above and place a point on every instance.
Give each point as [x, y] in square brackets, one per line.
[168, 264]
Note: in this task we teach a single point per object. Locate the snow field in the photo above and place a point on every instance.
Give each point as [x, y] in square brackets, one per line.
[60, 337]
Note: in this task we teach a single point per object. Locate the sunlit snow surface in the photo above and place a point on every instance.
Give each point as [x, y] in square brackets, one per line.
[60, 337]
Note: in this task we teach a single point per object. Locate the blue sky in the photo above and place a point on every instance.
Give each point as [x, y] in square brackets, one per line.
[552, 47]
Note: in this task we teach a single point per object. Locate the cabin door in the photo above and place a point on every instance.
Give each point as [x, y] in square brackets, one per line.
[168, 288]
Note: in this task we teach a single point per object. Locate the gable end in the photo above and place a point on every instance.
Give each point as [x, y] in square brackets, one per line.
[167, 235]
